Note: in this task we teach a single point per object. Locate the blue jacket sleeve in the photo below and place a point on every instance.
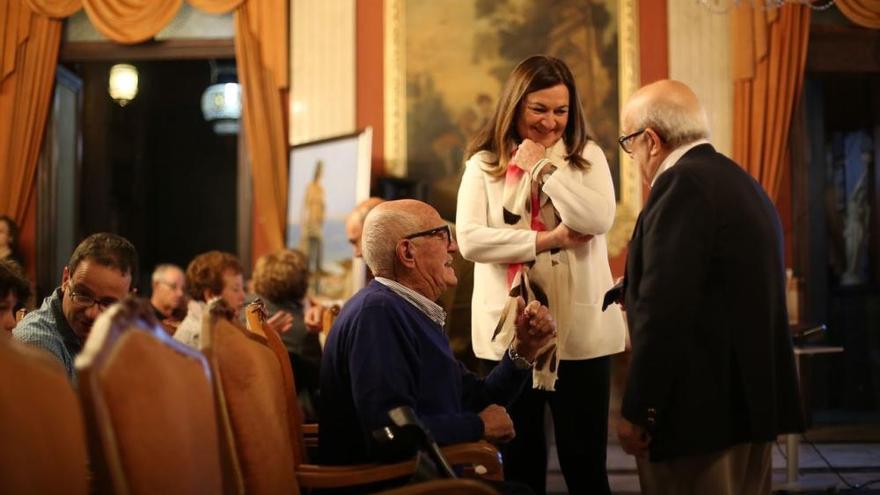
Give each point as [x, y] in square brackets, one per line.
[502, 386]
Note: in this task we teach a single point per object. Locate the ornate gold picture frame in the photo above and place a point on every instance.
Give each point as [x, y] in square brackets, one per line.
[445, 62]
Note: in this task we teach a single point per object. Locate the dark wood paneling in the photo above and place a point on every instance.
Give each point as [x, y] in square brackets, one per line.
[106, 51]
[843, 49]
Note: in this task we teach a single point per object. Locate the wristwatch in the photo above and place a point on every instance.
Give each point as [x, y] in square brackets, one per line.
[519, 362]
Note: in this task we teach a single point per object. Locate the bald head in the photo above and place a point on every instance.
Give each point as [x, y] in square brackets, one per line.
[354, 223]
[386, 224]
[670, 108]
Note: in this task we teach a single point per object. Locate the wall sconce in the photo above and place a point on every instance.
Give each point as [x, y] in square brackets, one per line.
[123, 83]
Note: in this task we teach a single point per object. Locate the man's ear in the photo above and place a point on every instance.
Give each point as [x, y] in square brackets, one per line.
[65, 276]
[656, 142]
[405, 253]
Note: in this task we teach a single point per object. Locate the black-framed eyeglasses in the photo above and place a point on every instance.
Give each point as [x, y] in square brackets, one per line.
[88, 301]
[432, 232]
[625, 141]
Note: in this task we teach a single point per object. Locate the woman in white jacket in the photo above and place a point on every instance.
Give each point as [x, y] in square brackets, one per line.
[534, 204]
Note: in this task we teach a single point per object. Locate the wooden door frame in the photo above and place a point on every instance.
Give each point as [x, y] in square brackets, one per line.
[180, 49]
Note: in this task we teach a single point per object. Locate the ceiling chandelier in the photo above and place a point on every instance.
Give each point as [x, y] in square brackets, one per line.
[724, 6]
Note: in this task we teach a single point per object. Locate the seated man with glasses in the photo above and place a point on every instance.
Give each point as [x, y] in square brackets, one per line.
[169, 295]
[100, 272]
[388, 349]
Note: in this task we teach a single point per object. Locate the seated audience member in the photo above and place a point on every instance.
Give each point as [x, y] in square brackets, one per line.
[281, 280]
[209, 276]
[8, 241]
[354, 226]
[169, 295]
[14, 291]
[387, 347]
[101, 271]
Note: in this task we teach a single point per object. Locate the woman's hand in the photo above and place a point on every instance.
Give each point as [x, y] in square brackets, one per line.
[560, 237]
[527, 154]
[280, 321]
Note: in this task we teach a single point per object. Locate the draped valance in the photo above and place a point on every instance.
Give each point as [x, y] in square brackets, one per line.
[865, 13]
[31, 35]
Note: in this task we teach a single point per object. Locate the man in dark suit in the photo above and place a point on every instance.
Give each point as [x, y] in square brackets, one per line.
[712, 379]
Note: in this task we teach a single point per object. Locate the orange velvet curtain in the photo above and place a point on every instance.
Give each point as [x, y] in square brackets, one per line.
[261, 52]
[865, 13]
[28, 54]
[769, 49]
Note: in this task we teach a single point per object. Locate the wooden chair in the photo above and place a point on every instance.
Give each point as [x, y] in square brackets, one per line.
[42, 436]
[444, 487]
[149, 407]
[306, 433]
[247, 374]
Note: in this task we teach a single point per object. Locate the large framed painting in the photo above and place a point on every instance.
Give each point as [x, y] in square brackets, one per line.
[447, 60]
[327, 179]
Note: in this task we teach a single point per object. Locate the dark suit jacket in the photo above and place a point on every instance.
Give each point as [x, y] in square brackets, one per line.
[712, 361]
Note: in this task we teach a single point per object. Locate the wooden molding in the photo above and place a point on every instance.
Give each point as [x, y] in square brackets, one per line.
[97, 51]
[843, 49]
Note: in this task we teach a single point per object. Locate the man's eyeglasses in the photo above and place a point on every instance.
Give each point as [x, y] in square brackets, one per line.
[433, 232]
[170, 285]
[625, 141]
[89, 301]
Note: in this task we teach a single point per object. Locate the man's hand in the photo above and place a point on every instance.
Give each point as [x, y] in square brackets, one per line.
[280, 321]
[497, 425]
[527, 154]
[633, 438]
[534, 328]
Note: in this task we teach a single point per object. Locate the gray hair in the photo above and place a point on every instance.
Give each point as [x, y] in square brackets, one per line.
[675, 123]
[383, 228]
[161, 269]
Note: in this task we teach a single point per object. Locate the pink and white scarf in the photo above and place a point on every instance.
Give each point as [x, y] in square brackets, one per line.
[545, 279]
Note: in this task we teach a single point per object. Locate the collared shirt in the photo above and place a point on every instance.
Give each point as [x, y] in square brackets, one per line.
[676, 155]
[191, 327]
[431, 309]
[48, 329]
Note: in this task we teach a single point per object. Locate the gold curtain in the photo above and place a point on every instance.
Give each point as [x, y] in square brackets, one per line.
[127, 21]
[769, 50]
[28, 53]
[862, 12]
[216, 6]
[261, 48]
[58, 9]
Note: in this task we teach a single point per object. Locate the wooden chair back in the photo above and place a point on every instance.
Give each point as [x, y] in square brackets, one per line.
[42, 435]
[252, 408]
[327, 318]
[149, 407]
[256, 316]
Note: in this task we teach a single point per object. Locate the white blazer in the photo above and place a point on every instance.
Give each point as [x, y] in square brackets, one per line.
[585, 202]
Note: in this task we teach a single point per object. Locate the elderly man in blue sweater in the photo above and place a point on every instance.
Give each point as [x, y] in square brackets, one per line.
[387, 348]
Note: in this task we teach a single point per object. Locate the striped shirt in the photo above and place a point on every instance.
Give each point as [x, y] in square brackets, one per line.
[431, 309]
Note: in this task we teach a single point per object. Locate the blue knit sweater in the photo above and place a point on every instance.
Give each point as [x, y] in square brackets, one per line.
[383, 352]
